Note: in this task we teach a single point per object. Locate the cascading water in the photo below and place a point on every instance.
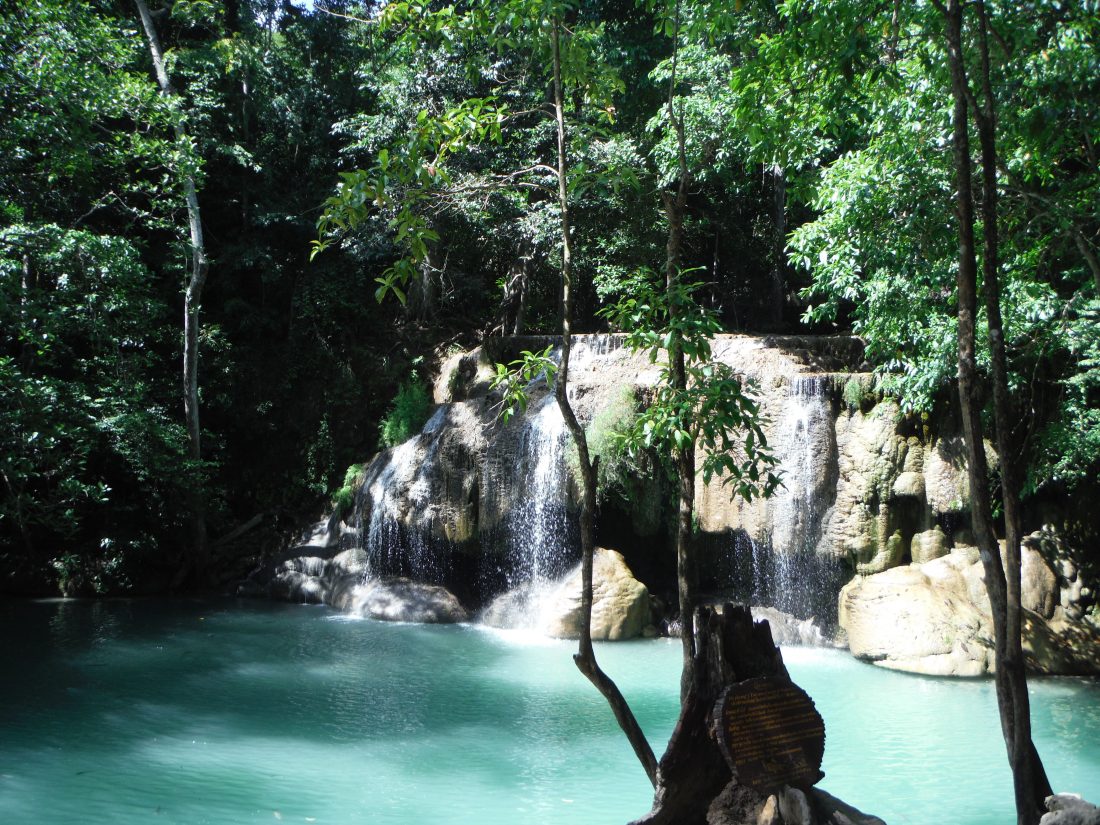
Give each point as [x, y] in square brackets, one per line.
[536, 529]
[796, 525]
[403, 484]
[535, 539]
[784, 566]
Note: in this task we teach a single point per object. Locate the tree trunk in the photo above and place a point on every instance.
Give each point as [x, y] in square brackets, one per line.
[779, 281]
[423, 294]
[585, 657]
[192, 302]
[1031, 784]
[693, 771]
[684, 458]
[1089, 256]
[514, 302]
[1006, 631]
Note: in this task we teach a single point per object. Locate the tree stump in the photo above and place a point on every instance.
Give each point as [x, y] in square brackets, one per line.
[693, 771]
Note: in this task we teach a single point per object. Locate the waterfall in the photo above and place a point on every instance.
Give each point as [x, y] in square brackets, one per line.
[589, 351]
[404, 484]
[535, 540]
[536, 530]
[782, 567]
[805, 428]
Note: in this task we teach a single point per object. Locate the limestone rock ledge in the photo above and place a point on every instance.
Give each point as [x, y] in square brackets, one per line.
[934, 618]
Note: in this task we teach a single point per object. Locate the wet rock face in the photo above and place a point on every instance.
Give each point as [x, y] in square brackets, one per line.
[425, 492]
[467, 504]
[895, 492]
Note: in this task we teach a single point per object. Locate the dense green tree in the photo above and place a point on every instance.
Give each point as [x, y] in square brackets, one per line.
[896, 185]
[92, 459]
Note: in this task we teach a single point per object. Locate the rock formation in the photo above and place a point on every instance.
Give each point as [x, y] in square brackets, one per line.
[933, 618]
[874, 502]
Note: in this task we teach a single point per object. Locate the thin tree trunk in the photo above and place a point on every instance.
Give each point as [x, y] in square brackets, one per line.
[26, 287]
[192, 299]
[514, 302]
[1089, 256]
[585, 657]
[684, 458]
[969, 399]
[779, 206]
[20, 517]
[1030, 780]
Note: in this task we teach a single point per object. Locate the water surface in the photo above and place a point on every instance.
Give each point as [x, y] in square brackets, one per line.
[224, 712]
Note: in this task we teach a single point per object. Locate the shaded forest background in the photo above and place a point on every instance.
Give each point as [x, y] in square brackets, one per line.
[820, 201]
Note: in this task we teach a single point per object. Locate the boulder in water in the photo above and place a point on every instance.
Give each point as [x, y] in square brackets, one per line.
[789, 630]
[343, 582]
[934, 619]
[1069, 809]
[400, 600]
[918, 618]
[620, 603]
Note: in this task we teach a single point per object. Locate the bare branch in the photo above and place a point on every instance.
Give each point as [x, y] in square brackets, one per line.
[326, 10]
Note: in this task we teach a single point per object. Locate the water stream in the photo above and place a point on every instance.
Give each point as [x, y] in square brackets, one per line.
[784, 568]
[535, 540]
[405, 482]
[222, 712]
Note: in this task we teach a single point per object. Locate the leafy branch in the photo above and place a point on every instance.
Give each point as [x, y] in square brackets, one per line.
[716, 411]
[513, 379]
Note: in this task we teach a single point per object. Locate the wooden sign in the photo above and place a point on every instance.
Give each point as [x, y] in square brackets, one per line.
[770, 733]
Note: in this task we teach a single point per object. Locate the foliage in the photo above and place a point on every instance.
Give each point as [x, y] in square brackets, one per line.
[1070, 444]
[514, 379]
[407, 415]
[716, 411]
[852, 394]
[87, 448]
[343, 499]
[881, 253]
[619, 468]
[443, 110]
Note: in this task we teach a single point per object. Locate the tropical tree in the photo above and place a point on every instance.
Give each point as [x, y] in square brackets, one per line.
[881, 250]
[186, 170]
[92, 465]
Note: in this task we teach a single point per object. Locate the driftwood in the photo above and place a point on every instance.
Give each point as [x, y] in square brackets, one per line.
[693, 772]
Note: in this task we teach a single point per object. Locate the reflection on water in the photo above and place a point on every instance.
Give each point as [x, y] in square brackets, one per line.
[226, 712]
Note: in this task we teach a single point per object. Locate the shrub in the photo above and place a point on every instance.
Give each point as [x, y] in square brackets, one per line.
[407, 415]
[853, 394]
[617, 467]
[344, 498]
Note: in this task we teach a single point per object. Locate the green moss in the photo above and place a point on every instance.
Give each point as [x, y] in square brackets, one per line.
[618, 469]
